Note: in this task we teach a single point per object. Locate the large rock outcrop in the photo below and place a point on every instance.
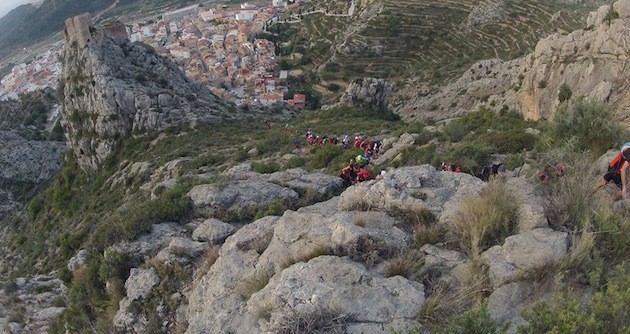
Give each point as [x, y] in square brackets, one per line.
[592, 62]
[112, 87]
[25, 163]
[368, 93]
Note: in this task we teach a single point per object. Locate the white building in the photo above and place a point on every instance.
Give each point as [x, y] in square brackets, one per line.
[245, 16]
[135, 37]
[208, 15]
[181, 13]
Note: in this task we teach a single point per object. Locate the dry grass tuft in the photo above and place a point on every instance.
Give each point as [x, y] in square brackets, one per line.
[207, 260]
[444, 301]
[306, 255]
[256, 282]
[485, 220]
[320, 321]
[407, 265]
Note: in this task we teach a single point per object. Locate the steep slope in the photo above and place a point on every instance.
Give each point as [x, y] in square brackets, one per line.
[590, 62]
[112, 88]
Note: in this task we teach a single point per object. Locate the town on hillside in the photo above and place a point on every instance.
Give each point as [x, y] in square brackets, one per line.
[216, 47]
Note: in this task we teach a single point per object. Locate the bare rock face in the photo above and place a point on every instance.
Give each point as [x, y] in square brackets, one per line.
[368, 93]
[339, 288]
[25, 162]
[414, 187]
[138, 286]
[590, 62]
[112, 87]
[40, 298]
[523, 253]
[289, 250]
[485, 13]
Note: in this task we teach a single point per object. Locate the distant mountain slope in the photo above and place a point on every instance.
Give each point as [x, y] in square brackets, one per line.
[27, 24]
[429, 39]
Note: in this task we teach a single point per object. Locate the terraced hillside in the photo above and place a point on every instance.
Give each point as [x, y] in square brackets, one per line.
[430, 39]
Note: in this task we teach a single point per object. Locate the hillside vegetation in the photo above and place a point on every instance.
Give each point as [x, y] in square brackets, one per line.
[427, 39]
[93, 211]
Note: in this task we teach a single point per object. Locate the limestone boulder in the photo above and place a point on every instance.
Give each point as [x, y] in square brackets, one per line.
[213, 231]
[338, 286]
[302, 181]
[266, 248]
[78, 260]
[524, 253]
[148, 245]
[237, 196]
[506, 303]
[531, 209]
[187, 247]
[138, 286]
[414, 187]
[368, 93]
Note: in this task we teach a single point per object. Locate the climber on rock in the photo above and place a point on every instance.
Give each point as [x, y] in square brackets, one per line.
[617, 172]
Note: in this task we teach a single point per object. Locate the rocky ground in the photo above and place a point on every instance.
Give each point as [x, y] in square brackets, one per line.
[25, 162]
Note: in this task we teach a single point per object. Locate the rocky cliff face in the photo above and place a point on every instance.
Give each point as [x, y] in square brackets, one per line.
[592, 62]
[368, 93]
[25, 164]
[112, 87]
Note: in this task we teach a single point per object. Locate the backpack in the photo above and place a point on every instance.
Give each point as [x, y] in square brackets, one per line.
[616, 163]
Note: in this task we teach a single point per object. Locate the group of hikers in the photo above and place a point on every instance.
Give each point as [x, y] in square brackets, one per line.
[356, 171]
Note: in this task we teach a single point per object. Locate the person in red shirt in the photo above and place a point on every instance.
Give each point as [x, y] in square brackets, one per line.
[617, 172]
[363, 175]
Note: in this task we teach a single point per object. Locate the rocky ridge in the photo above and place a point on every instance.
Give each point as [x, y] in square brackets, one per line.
[591, 61]
[113, 88]
[327, 261]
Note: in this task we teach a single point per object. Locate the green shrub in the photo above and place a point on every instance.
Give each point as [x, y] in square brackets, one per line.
[564, 94]
[322, 156]
[606, 312]
[511, 141]
[476, 321]
[414, 155]
[590, 123]
[265, 168]
[334, 87]
[295, 162]
[542, 83]
[468, 155]
[513, 161]
[485, 220]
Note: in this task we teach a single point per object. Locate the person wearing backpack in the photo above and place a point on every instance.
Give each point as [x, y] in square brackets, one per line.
[617, 172]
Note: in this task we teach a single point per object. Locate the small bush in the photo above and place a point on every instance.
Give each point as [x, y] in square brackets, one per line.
[514, 160]
[294, 162]
[476, 321]
[265, 168]
[606, 312]
[511, 141]
[321, 156]
[485, 220]
[542, 83]
[590, 123]
[414, 155]
[564, 94]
